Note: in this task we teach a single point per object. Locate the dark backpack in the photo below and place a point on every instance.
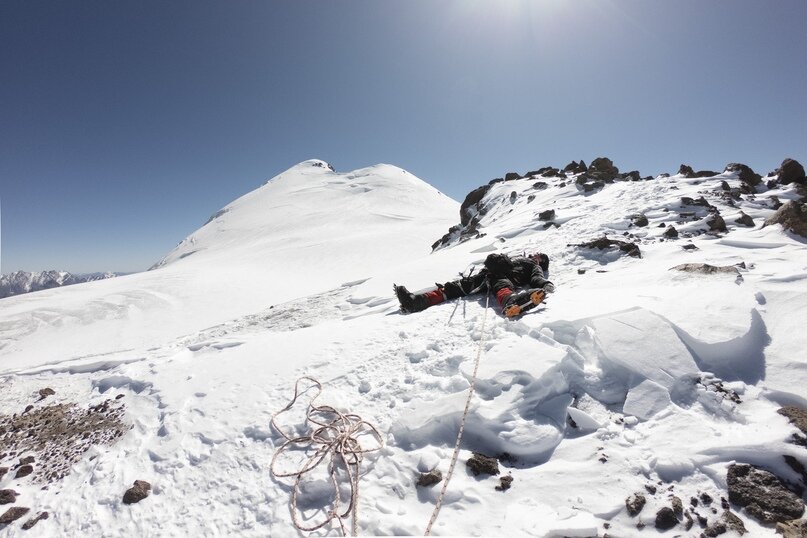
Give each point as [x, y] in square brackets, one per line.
[499, 264]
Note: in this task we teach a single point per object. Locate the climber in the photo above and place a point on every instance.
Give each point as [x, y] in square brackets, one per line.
[502, 273]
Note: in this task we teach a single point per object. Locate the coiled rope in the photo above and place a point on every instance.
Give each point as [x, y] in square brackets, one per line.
[333, 434]
[471, 390]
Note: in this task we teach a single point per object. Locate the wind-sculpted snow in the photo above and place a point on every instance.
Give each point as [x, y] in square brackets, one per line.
[630, 378]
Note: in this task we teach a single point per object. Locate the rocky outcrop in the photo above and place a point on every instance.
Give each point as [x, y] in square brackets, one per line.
[575, 167]
[745, 220]
[792, 216]
[13, 514]
[603, 243]
[762, 494]
[20, 282]
[705, 268]
[745, 173]
[603, 169]
[791, 171]
[470, 206]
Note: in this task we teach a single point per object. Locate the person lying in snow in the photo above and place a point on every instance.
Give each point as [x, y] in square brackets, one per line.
[502, 273]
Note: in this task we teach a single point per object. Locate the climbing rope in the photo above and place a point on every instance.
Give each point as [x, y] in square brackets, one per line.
[332, 433]
[471, 390]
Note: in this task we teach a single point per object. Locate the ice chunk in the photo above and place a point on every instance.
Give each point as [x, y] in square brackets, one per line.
[646, 399]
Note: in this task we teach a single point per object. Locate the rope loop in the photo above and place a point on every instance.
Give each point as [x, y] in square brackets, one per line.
[334, 435]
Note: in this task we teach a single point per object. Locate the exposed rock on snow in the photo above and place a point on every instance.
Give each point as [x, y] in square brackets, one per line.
[796, 528]
[28, 525]
[706, 269]
[790, 171]
[745, 220]
[549, 214]
[435, 476]
[728, 522]
[762, 494]
[665, 519]
[481, 464]
[604, 243]
[8, 496]
[603, 169]
[744, 173]
[635, 503]
[792, 216]
[139, 491]
[796, 415]
[13, 514]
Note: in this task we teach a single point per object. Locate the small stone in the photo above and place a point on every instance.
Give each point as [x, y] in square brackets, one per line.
[678, 507]
[8, 496]
[44, 393]
[119, 396]
[549, 214]
[505, 483]
[651, 489]
[24, 471]
[745, 220]
[28, 408]
[137, 493]
[13, 514]
[27, 460]
[665, 519]
[635, 504]
[481, 464]
[429, 479]
[671, 232]
[640, 221]
[706, 499]
[33, 521]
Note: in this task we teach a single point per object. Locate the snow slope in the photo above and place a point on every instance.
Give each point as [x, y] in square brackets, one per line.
[632, 375]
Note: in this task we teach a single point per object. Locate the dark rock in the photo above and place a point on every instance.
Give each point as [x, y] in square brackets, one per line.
[575, 168]
[631, 249]
[640, 221]
[651, 489]
[513, 196]
[665, 519]
[690, 246]
[44, 393]
[727, 522]
[481, 464]
[797, 466]
[470, 206]
[796, 415]
[24, 470]
[706, 499]
[716, 223]
[677, 506]
[8, 496]
[429, 479]
[705, 268]
[689, 521]
[137, 493]
[510, 176]
[762, 494]
[790, 171]
[671, 232]
[13, 514]
[775, 202]
[635, 504]
[686, 171]
[3, 471]
[745, 220]
[549, 214]
[530, 198]
[745, 174]
[686, 200]
[539, 185]
[28, 408]
[594, 185]
[505, 483]
[603, 168]
[33, 521]
[725, 185]
[633, 175]
[796, 528]
[26, 460]
[792, 216]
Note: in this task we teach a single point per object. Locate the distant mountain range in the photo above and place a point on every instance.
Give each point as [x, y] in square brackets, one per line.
[20, 282]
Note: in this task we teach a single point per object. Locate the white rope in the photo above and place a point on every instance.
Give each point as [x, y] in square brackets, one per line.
[335, 434]
[471, 390]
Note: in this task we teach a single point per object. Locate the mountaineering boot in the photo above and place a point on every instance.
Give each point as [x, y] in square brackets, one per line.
[411, 302]
[520, 302]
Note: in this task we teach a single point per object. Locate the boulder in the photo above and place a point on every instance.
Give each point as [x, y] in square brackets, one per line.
[792, 216]
[796, 415]
[796, 528]
[549, 214]
[745, 174]
[575, 167]
[13, 514]
[705, 268]
[603, 168]
[727, 522]
[671, 233]
[665, 519]
[745, 220]
[429, 479]
[634, 504]
[631, 249]
[762, 494]
[470, 206]
[137, 493]
[640, 220]
[791, 171]
[481, 464]
[8, 496]
[633, 175]
[716, 223]
[34, 520]
[510, 176]
[686, 171]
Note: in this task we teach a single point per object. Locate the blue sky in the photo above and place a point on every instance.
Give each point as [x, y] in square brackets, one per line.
[125, 125]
